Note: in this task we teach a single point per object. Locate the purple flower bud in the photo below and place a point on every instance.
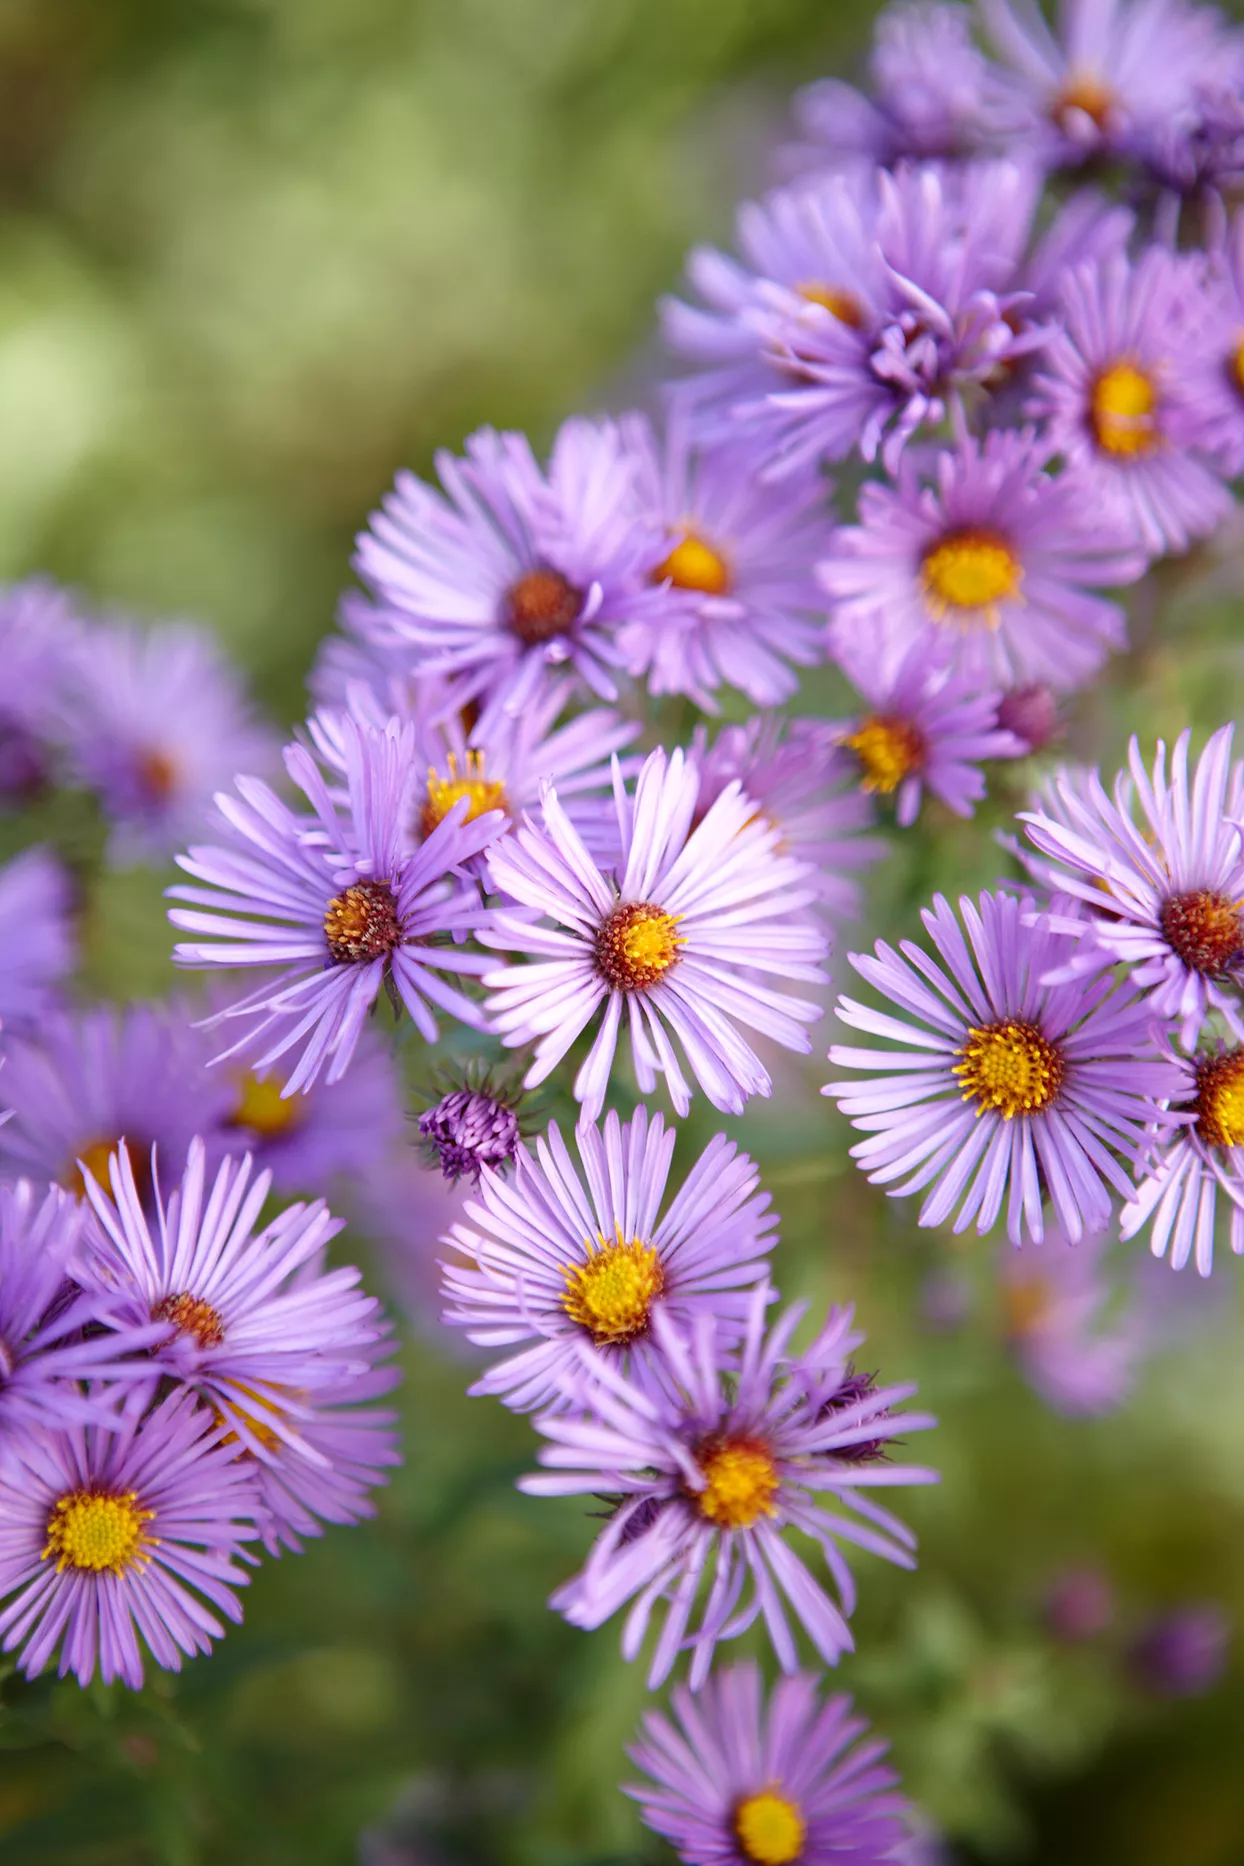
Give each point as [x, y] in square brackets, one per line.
[1183, 1654]
[1031, 713]
[470, 1129]
[1079, 1605]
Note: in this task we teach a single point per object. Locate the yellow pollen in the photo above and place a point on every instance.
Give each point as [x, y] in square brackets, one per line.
[843, 305]
[484, 793]
[693, 564]
[1204, 929]
[262, 1108]
[98, 1533]
[1121, 411]
[270, 1440]
[740, 1482]
[1009, 1069]
[1085, 94]
[611, 1295]
[190, 1315]
[969, 572]
[888, 749]
[769, 1828]
[1220, 1099]
[361, 923]
[94, 1157]
[637, 945]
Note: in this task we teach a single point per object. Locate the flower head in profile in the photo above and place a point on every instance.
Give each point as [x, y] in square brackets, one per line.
[113, 1539]
[680, 937]
[739, 600]
[735, 1781]
[38, 948]
[554, 1263]
[156, 721]
[38, 635]
[996, 565]
[513, 571]
[710, 1466]
[1190, 1167]
[337, 901]
[1163, 893]
[995, 1086]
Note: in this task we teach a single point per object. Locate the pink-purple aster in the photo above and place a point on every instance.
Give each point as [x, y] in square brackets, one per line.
[470, 1128]
[38, 945]
[1189, 1168]
[38, 629]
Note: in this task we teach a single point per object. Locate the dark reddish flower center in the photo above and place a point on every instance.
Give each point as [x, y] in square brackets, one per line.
[542, 604]
[1203, 929]
[362, 923]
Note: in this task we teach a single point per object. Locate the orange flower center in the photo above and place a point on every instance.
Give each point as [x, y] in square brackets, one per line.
[542, 604]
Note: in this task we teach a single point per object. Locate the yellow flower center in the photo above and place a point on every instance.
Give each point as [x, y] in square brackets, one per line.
[1121, 409]
[611, 1295]
[484, 793]
[1009, 1069]
[888, 750]
[190, 1315]
[1203, 929]
[693, 564]
[1220, 1099]
[970, 572]
[1086, 94]
[94, 1157]
[740, 1482]
[362, 923]
[262, 1108]
[842, 304]
[769, 1828]
[637, 945]
[97, 1532]
[268, 1438]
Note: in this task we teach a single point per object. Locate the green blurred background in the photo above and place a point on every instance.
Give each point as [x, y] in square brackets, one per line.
[253, 257]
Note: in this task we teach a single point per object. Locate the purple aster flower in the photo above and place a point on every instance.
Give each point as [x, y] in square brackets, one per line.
[38, 631]
[929, 729]
[1000, 1081]
[1197, 159]
[473, 1125]
[1030, 714]
[94, 1078]
[346, 1448]
[1115, 69]
[739, 598]
[676, 937]
[867, 303]
[1183, 1653]
[734, 1781]
[1119, 397]
[1077, 1350]
[994, 564]
[339, 903]
[1219, 364]
[115, 1539]
[554, 1264]
[804, 784]
[156, 720]
[37, 944]
[256, 1324]
[513, 571]
[1164, 896]
[1188, 1166]
[709, 1467]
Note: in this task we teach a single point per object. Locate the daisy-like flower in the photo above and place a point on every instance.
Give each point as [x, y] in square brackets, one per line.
[866, 304]
[116, 1539]
[805, 785]
[929, 729]
[37, 944]
[554, 1263]
[38, 632]
[155, 721]
[1075, 1346]
[353, 1445]
[676, 937]
[995, 565]
[740, 601]
[93, 1078]
[735, 1781]
[1176, 1200]
[709, 1467]
[1164, 895]
[255, 1322]
[513, 571]
[997, 1085]
[1118, 393]
[338, 901]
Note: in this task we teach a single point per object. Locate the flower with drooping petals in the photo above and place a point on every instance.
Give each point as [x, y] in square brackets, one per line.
[553, 1263]
[676, 937]
[37, 944]
[1176, 1199]
[1002, 1086]
[112, 1539]
[733, 1781]
[709, 1466]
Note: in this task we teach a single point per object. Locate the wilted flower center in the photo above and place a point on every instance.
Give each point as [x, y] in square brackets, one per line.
[611, 1295]
[1009, 1069]
[769, 1828]
[97, 1532]
[1203, 929]
[969, 570]
[1220, 1099]
[362, 923]
[888, 749]
[157, 775]
[740, 1482]
[484, 793]
[842, 304]
[693, 564]
[542, 604]
[1121, 408]
[190, 1315]
[261, 1106]
[1085, 94]
[637, 945]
